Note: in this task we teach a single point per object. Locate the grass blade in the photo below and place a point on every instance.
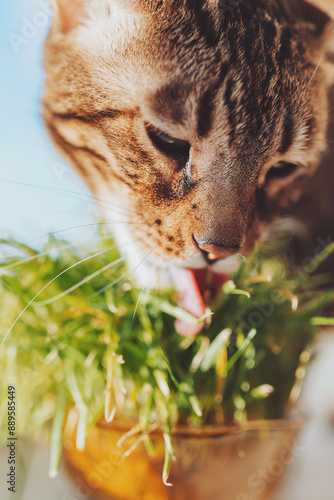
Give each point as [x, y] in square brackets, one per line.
[57, 432]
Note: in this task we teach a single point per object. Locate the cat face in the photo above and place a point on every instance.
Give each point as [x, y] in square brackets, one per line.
[194, 123]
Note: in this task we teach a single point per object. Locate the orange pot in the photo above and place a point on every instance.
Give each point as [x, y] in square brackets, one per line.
[212, 463]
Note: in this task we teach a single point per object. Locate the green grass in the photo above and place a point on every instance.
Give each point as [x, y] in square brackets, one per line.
[108, 348]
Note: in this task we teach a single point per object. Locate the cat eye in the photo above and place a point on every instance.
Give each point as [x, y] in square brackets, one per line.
[175, 148]
[281, 169]
[167, 138]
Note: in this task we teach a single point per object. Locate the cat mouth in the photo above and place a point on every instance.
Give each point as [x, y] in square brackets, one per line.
[195, 288]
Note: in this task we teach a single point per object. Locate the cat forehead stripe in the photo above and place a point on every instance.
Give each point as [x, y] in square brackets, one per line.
[287, 133]
[94, 116]
[206, 105]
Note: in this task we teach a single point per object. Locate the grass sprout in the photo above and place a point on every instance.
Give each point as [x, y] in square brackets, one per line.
[70, 339]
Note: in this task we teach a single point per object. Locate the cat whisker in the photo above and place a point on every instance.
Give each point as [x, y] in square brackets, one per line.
[42, 254]
[163, 272]
[7, 267]
[35, 209]
[82, 282]
[48, 188]
[159, 273]
[53, 233]
[108, 286]
[314, 72]
[158, 279]
[138, 265]
[73, 194]
[123, 279]
[137, 303]
[100, 223]
[49, 283]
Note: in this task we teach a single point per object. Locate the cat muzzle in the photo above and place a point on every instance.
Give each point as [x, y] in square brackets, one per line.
[213, 252]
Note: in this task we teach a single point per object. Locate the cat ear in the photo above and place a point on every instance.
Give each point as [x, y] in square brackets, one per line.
[314, 12]
[320, 13]
[68, 14]
[325, 6]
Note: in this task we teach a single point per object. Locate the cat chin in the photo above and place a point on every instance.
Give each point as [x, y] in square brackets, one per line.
[152, 272]
[227, 266]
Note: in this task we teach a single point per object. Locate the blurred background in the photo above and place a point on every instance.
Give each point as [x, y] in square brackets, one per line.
[39, 194]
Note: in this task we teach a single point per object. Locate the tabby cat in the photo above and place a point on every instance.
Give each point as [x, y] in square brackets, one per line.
[193, 122]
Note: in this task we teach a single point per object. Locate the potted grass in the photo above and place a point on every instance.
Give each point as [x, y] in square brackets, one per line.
[138, 408]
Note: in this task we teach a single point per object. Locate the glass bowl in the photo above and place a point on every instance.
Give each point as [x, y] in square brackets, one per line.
[212, 463]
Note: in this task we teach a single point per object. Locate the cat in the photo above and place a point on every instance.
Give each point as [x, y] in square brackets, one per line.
[193, 122]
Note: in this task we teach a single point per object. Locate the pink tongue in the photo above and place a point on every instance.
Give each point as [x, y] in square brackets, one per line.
[189, 298]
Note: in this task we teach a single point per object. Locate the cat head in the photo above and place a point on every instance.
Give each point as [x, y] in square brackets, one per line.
[194, 123]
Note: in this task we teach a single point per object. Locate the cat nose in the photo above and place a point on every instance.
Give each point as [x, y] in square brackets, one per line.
[213, 251]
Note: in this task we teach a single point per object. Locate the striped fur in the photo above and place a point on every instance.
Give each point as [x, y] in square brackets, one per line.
[243, 82]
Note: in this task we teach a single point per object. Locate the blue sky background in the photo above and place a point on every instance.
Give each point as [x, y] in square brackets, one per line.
[32, 175]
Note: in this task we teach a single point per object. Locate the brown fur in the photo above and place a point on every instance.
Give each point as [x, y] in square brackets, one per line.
[244, 82]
